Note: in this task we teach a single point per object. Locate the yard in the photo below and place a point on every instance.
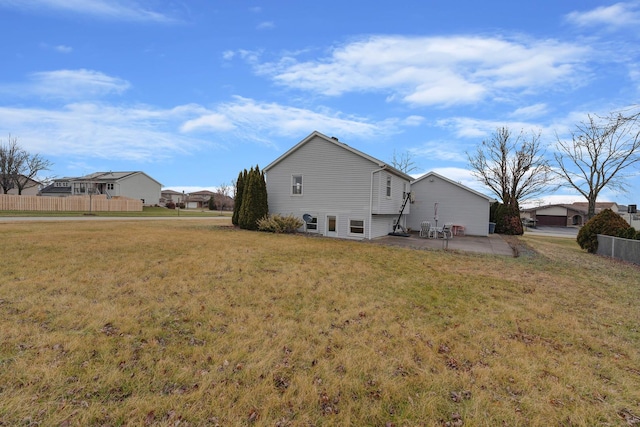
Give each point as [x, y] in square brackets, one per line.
[179, 322]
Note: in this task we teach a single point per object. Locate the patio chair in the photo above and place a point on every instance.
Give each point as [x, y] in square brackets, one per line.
[425, 226]
[447, 231]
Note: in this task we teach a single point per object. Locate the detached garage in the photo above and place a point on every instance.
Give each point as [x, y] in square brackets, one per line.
[434, 195]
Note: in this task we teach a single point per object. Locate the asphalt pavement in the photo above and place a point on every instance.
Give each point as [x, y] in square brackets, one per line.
[569, 232]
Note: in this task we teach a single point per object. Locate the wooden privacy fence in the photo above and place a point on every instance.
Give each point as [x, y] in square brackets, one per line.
[69, 204]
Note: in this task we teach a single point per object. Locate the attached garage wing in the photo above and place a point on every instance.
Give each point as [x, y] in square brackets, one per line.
[551, 220]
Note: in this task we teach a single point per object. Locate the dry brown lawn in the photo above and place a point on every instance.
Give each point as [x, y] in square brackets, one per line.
[182, 323]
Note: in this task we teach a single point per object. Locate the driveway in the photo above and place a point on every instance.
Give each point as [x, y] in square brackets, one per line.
[569, 232]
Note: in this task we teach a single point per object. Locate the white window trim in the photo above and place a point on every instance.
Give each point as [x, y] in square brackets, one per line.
[311, 230]
[388, 186]
[293, 175]
[326, 226]
[364, 227]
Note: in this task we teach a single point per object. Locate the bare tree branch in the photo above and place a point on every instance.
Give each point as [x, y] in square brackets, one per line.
[599, 152]
[18, 168]
[515, 170]
[403, 162]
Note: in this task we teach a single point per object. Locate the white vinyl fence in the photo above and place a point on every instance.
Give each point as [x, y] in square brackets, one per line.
[619, 248]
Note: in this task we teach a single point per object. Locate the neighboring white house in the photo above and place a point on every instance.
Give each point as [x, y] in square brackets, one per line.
[455, 203]
[344, 192]
[135, 185]
[167, 196]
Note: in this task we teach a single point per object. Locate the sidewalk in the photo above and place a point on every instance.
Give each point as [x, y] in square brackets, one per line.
[493, 244]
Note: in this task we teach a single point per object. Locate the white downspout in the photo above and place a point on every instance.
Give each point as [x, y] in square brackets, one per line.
[371, 197]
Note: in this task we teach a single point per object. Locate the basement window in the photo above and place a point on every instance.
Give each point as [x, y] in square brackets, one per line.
[356, 226]
[313, 224]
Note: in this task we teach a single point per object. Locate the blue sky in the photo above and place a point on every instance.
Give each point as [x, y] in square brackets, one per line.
[194, 91]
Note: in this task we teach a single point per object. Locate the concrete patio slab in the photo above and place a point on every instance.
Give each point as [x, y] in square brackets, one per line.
[493, 244]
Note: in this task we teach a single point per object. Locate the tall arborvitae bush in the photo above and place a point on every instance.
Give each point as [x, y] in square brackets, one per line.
[607, 223]
[507, 219]
[242, 176]
[254, 200]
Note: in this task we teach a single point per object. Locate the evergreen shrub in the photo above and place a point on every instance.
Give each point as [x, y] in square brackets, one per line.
[507, 219]
[607, 223]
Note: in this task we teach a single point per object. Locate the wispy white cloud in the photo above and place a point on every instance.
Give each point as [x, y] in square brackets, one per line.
[208, 121]
[106, 9]
[434, 70]
[438, 151]
[530, 111]
[67, 84]
[615, 16]
[267, 25]
[89, 129]
[250, 56]
[252, 120]
[57, 48]
[63, 49]
[478, 129]
[98, 131]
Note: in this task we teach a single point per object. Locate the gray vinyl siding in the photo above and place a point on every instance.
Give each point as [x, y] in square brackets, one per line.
[389, 205]
[382, 225]
[455, 204]
[336, 182]
[138, 186]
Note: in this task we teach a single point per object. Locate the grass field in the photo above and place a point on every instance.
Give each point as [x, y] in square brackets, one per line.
[183, 323]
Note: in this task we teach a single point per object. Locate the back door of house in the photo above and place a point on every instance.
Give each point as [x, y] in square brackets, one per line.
[331, 226]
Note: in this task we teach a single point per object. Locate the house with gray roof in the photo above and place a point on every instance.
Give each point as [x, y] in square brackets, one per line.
[442, 200]
[340, 191]
[134, 185]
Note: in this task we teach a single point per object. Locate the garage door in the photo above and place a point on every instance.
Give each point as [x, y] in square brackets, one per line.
[552, 220]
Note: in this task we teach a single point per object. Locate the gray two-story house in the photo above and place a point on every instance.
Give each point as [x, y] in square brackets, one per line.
[340, 191]
[135, 185]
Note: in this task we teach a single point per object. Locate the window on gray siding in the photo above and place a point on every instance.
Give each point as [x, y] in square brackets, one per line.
[388, 185]
[356, 226]
[313, 224]
[296, 185]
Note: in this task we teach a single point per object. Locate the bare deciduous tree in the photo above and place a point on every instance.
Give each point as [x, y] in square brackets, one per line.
[403, 162]
[19, 168]
[600, 150]
[223, 190]
[33, 165]
[10, 159]
[514, 169]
